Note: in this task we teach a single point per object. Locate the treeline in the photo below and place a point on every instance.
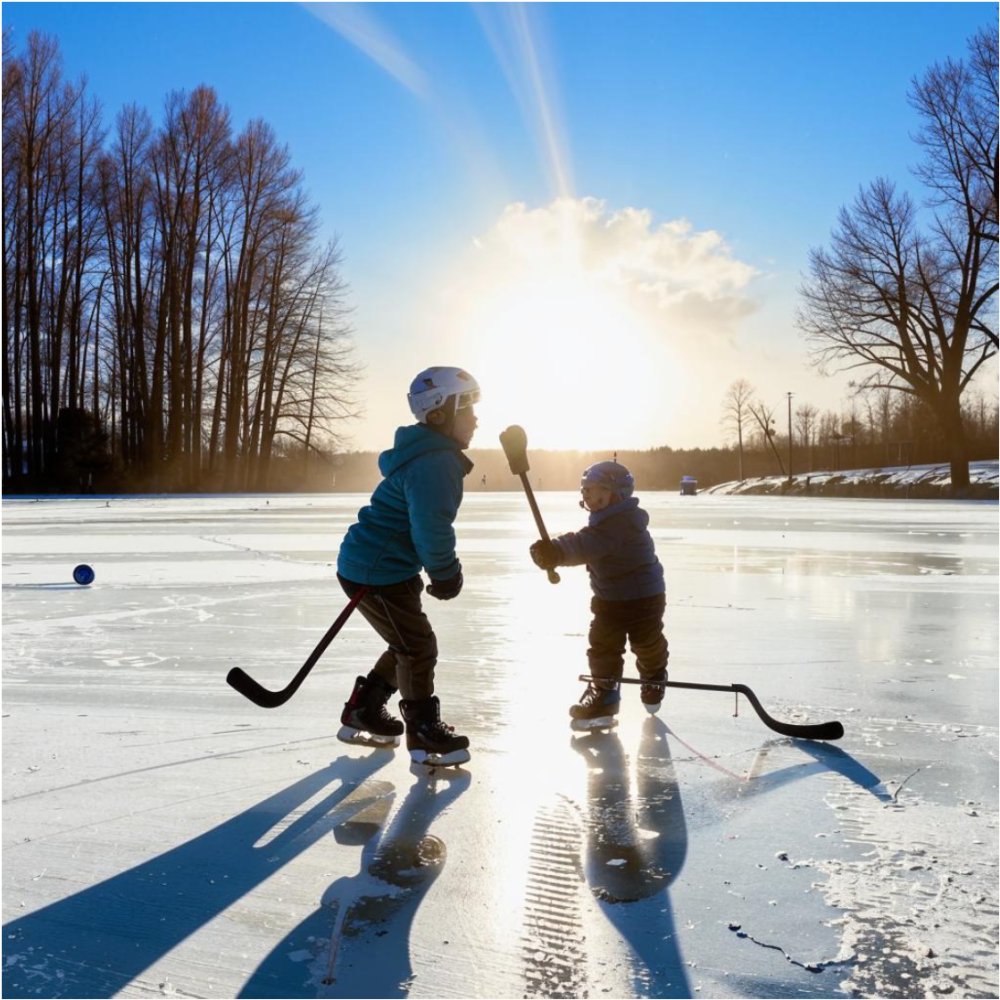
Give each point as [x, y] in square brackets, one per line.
[886, 429]
[874, 429]
[170, 319]
[878, 431]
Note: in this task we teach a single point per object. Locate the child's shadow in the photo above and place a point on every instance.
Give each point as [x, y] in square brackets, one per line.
[95, 942]
[635, 850]
[364, 920]
[626, 865]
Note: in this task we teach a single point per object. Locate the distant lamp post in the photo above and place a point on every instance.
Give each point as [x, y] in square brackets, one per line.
[789, 395]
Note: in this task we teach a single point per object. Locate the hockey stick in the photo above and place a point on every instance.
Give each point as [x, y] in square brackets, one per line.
[239, 679]
[514, 442]
[815, 731]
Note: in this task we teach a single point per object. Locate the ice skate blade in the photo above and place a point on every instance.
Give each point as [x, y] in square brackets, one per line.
[585, 725]
[427, 759]
[361, 738]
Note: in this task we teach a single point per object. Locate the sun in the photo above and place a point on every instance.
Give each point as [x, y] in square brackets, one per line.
[573, 359]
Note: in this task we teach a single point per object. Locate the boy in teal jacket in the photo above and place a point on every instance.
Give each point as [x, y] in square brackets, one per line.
[406, 528]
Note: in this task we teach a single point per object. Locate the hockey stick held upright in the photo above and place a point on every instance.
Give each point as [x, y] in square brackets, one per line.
[514, 442]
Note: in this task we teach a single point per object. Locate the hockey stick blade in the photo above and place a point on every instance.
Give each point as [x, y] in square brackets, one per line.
[807, 731]
[239, 680]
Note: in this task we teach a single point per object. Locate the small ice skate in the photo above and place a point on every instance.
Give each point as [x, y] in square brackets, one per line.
[432, 743]
[365, 720]
[597, 708]
[651, 694]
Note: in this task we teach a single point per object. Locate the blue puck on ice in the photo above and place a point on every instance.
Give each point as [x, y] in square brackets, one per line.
[83, 574]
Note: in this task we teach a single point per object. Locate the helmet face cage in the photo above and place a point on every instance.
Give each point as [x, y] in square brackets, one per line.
[457, 401]
[466, 399]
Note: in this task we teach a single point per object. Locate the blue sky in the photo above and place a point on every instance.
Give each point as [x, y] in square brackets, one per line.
[418, 125]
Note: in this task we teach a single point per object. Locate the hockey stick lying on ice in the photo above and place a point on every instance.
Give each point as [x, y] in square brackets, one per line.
[514, 442]
[239, 679]
[815, 731]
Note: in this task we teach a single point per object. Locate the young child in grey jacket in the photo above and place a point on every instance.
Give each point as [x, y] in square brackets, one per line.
[629, 599]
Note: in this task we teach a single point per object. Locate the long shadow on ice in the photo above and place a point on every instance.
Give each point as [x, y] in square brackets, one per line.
[95, 942]
[635, 849]
[357, 942]
[825, 759]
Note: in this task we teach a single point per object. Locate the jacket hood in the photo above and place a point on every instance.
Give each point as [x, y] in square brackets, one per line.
[411, 442]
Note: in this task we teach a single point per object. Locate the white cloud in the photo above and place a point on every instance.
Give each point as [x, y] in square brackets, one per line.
[632, 321]
[686, 280]
[600, 328]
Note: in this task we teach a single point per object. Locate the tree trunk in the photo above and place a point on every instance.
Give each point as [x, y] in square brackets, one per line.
[950, 415]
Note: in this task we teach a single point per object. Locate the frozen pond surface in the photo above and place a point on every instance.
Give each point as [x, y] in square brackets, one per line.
[164, 837]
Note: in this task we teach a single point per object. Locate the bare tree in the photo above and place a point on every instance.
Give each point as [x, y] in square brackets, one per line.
[885, 401]
[37, 105]
[177, 270]
[188, 159]
[915, 310]
[13, 282]
[886, 299]
[764, 416]
[126, 197]
[852, 429]
[736, 412]
[805, 424]
[957, 104]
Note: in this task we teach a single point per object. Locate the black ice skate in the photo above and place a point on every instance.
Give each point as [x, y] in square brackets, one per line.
[597, 707]
[430, 742]
[651, 694]
[365, 719]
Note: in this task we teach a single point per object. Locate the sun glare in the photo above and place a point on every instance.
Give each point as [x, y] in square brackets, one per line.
[570, 358]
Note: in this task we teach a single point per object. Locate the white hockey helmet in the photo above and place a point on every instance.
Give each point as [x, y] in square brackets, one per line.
[434, 387]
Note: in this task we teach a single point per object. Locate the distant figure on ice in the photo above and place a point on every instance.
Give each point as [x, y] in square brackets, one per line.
[628, 602]
[407, 527]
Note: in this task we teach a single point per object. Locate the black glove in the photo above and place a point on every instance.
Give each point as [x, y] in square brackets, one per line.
[445, 590]
[545, 554]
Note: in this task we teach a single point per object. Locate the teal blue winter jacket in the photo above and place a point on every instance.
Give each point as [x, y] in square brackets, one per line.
[407, 526]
